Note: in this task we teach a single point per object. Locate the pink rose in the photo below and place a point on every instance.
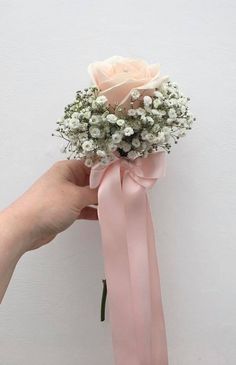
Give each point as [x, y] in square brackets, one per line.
[117, 76]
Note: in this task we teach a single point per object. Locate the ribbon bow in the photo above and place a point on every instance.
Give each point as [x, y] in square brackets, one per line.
[131, 267]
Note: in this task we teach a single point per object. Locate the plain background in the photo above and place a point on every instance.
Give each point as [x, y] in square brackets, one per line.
[50, 314]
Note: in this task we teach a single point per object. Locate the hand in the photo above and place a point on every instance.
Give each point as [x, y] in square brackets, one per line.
[51, 205]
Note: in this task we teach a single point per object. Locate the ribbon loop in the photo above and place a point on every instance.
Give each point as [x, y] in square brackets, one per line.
[131, 268]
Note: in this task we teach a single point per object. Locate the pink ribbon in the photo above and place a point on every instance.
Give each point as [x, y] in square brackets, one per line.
[131, 267]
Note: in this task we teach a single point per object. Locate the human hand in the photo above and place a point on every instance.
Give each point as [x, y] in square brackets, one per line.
[50, 205]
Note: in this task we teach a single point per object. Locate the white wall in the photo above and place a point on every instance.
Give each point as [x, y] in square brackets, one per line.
[50, 314]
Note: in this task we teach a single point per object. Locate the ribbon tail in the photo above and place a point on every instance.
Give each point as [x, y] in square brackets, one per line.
[112, 220]
[131, 269]
[145, 285]
[159, 341]
[135, 205]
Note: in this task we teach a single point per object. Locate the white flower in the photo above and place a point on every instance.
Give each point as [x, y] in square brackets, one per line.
[128, 131]
[101, 100]
[161, 137]
[73, 148]
[180, 121]
[94, 105]
[182, 132]
[147, 100]
[82, 137]
[183, 100]
[156, 113]
[135, 94]
[150, 137]
[83, 126]
[95, 119]
[190, 120]
[90, 91]
[162, 112]
[157, 103]
[101, 153]
[88, 162]
[172, 114]
[88, 145]
[140, 111]
[112, 147]
[144, 133]
[143, 118]
[74, 123]
[173, 102]
[95, 132]
[120, 122]
[167, 103]
[117, 137]
[126, 147]
[156, 128]
[111, 118]
[150, 120]
[158, 94]
[166, 130]
[136, 142]
[167, 133]
[170, 120]
[75, 115]
[132, 112]
[144, 145]
[87, 114]
[164, 87]
[132, 155]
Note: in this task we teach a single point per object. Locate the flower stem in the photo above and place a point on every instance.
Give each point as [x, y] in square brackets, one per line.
[103, 301]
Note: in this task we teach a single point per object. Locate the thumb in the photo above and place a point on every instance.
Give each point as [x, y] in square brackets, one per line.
[88, 196]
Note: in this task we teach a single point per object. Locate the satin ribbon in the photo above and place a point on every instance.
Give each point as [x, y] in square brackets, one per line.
[131, 266]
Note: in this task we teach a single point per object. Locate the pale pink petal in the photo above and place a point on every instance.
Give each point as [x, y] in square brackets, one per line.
[118, 92]
[98, 72]
[114, 60]
[117, 76]
[155, 83]
[154, 70]
[121, 78]
[139, 63]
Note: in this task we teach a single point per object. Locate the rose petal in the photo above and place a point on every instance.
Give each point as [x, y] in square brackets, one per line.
[156, 82]
[117, 76]
[98, 73]
[154, 70]
[118, 92]
[121, 78]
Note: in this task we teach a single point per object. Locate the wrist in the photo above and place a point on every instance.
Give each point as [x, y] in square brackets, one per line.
[13, 238]
[15, 232]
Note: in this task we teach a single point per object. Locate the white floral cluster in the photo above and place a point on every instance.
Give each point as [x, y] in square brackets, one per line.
[94, 132]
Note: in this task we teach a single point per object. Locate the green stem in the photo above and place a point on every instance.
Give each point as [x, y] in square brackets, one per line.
[103, 301]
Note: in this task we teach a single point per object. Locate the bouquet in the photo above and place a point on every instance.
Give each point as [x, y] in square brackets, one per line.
[121, 127]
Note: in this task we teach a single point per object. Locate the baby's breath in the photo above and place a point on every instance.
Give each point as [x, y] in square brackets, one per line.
[94, 132]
